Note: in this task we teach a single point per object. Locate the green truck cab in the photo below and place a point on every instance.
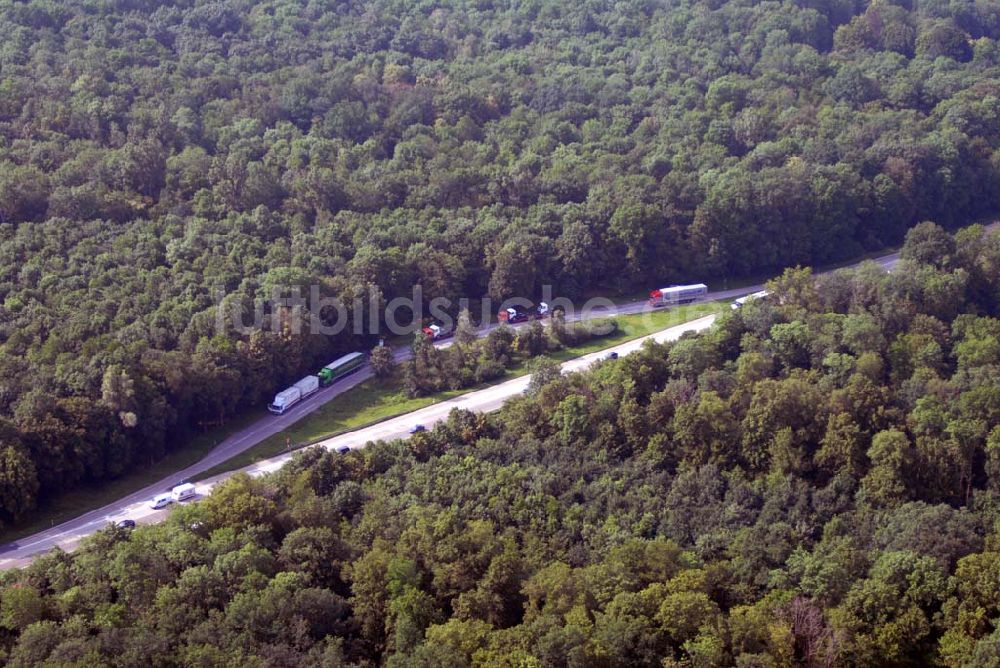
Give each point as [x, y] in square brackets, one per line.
[340, 367]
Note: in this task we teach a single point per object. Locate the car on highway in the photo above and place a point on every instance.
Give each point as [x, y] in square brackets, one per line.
[417, 428]
[125, 524]
[343, 449]
[160, 501]
[611, 356]
[236, 444]
[183, 492]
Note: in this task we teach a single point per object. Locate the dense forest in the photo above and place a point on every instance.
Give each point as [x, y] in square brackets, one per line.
[815, 481]
[155, 156]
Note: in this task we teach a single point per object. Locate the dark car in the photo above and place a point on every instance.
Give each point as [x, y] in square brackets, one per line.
[417, 428]
[125, 524]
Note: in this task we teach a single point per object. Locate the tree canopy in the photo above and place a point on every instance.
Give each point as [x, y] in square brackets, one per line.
[715, 501]
[158, 158]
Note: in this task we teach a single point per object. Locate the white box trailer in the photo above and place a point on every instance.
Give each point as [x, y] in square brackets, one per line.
[307, 385]
[289, 397]
[677, 294]
[760, 294]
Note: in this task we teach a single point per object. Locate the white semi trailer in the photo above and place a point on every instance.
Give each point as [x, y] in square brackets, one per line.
[677, 294]
[738, 303]
[289, 397]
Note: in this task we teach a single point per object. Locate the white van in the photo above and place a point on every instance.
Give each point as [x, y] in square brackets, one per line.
[183, 492]
[160, 501]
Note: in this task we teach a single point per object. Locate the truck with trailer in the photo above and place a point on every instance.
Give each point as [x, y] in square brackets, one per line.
[515, 315]
[290, 396]
[340, 367]
[738, 303]
[677, 294]
[437, 332]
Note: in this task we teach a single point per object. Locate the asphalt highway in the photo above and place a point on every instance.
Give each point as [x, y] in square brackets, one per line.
[134, 506]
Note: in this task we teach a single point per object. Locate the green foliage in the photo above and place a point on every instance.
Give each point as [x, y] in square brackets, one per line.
[732, 498]
[156, 160]
[543, 371]
[382, 362]
[20, 606]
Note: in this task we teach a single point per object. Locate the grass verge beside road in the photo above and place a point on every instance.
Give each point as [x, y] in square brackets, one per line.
[370, 402]
[78, 501]
[380, 399]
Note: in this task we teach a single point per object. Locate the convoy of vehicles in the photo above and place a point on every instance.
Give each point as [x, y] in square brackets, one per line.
[347, 364]
[677, 294]
[181, 492]
[340, 367]
[760, 294]
[352, 362]
[514, 314]
[289, 397]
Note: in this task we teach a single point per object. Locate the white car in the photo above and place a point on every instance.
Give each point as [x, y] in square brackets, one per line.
[160, 501]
